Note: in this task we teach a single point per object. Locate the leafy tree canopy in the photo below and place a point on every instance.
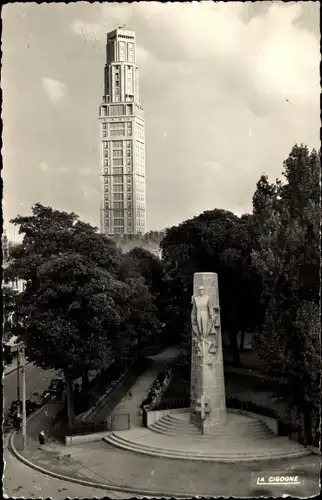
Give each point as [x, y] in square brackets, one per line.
[215, 241]
[288, 260]
[82, 305]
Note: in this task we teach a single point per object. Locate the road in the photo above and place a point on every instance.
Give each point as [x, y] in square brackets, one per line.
[20, 481]
[37, 380]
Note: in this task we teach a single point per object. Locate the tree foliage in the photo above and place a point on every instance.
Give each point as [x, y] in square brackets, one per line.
[151, 269]
[215, 241]
[288, 260]
[82, 305]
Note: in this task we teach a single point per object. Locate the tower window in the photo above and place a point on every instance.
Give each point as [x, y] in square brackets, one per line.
[117, 153]
[118, 197]
[117, 205]
[116, 110]
[118, 213]
[118, 222]
[118, 179]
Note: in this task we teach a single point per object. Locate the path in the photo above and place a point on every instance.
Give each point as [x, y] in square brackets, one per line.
[141, 388]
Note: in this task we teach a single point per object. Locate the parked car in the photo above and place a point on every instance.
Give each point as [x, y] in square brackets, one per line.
[7, 426]
[46, 396]
[16, 406]
[42, 398]
[56, 386]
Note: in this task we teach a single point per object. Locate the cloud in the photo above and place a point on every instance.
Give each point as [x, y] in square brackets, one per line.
[269, 55]
[89, 31]
[55, 90]
[44, 167]
[64, 170]
[89, 191]
[84, 171]
[232, 85]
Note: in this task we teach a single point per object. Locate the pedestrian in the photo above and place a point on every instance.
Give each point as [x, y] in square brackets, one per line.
[41, 437]
[17, 420]
[130, 395]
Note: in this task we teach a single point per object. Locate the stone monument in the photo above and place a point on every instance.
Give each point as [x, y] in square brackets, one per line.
[208, 404]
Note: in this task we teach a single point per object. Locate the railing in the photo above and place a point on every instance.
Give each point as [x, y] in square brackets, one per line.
[251, 407]
[115, 391]
[118, 422]
[170, 404]
[285, 427]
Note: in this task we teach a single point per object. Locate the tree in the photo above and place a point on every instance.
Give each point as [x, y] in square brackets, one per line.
[215, 241]
[150, 268]
[288, 260]
[81, 306]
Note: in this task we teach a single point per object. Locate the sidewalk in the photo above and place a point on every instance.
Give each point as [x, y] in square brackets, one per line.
[141, 388]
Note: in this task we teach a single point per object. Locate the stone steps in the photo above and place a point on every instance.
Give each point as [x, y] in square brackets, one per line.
[162, 428]
[232, 418]
[176, 421]
[236, 427]
[221, 451]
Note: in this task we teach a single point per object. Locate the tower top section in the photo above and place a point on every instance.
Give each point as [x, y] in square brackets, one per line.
[121, 32]
[120, 46]
[121, 73]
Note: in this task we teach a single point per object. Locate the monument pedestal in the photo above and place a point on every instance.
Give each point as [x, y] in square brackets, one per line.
[208, 404]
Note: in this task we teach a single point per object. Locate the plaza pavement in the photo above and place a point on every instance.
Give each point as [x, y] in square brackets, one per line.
[138, 475]
[142, 475]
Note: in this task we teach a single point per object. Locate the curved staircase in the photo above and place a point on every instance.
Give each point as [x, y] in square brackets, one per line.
[179, 425]
[243, 438]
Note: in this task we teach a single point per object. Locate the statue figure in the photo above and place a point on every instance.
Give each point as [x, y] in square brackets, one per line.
[202, 314]
[202, 319]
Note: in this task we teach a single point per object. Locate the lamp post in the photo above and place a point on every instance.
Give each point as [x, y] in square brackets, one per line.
[21, 361]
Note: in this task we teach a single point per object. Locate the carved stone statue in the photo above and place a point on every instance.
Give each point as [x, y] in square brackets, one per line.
[203, 320]
[202, 314]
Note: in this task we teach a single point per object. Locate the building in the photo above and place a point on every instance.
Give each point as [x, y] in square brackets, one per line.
[149, 241]
[122, 138]
[18, 285]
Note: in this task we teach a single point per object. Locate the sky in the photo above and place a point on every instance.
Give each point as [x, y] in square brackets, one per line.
[227, 89]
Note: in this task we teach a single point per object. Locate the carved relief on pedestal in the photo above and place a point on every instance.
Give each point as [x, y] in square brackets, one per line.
[203, 407]
[205, 321]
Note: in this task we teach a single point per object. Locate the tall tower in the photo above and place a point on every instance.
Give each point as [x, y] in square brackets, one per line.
[122, 138]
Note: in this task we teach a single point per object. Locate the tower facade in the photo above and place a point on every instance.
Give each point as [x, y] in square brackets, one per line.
[122, 139]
